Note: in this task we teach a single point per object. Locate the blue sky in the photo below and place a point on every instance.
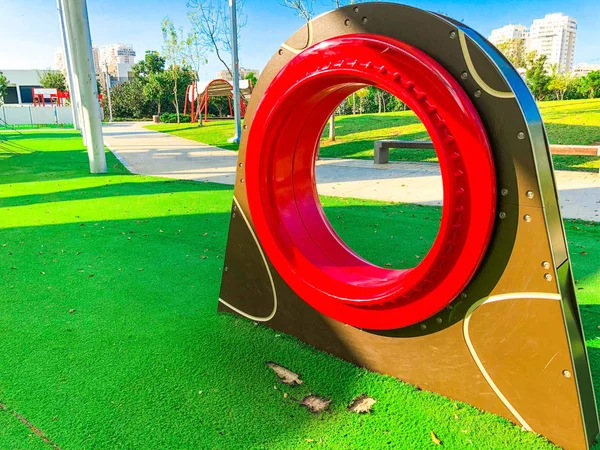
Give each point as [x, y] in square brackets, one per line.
[30, 32]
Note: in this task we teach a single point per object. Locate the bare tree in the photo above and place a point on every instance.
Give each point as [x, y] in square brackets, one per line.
[173, 44]
[210, 20]
[303, 8]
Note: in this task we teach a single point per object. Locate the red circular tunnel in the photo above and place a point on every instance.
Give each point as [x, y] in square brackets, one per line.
[288, 218]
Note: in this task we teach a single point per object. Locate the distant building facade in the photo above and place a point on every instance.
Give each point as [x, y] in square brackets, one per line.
[225, 75]
[117, 59]
[509, 32]
[553, 36]
[581, 70]
[20, 85]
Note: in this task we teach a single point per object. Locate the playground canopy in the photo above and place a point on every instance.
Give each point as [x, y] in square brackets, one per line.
[199, 94]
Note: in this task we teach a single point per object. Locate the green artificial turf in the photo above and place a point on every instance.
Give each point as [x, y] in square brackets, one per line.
[574, 122]
[110, 336]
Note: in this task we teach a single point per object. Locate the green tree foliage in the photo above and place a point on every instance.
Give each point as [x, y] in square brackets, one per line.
[152, 63]
[559, 84]
[129, 102]
[157, 88]
[173, 51]
[53, 79]
[3, 87]
[589, 85]
[537, 76]
[252, 78]
[514, 50]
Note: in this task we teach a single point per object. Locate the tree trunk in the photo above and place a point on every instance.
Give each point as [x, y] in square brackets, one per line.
[354, 103]
[332, 127]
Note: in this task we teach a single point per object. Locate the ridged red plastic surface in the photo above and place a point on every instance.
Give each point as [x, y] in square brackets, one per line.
[284, 205]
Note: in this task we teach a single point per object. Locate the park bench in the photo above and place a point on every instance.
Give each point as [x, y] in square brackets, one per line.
[382, 149]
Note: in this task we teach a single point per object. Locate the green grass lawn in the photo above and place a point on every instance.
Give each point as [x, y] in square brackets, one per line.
[110, 336]
[567, 122]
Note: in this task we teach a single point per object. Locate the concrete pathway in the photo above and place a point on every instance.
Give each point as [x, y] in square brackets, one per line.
[152, 153]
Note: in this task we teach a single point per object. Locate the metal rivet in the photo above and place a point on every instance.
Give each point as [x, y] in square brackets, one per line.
[450, 307]
[364, 20]
[226, 269]
[464, 75]
[452, 34]
[280, 51]
[423, 326]
[521, 135]
[241, 180]
[235, 207]
[527, 218]
[502, 215]
[477, 93]
[547, 277]
[240, 165]
[529, 194]
[347, 22]
[233, 215]
[245, 127]
[438, 320]
[566, 373]
[356, 9]
[546, 265]
[504, 192]
[463, 295]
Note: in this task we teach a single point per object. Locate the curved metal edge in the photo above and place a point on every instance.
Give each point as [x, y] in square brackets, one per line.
[264, 258]
[480, 366]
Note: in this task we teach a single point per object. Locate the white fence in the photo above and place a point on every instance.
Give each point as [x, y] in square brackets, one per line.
[36, 115]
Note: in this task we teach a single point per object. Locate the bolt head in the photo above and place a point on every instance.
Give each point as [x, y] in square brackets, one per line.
[566, 373]
[464, 75]
[504, 192]
[364, 20]
[547, 277]
[477, 93]
[529, 194]
[347, 22]
[546, 265]
[423, 326]
[521, 135]
[502, 215]
[463, 295]
[452, 34]
[527, 218]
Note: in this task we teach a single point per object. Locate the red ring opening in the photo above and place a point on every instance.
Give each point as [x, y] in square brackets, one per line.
[285, 208]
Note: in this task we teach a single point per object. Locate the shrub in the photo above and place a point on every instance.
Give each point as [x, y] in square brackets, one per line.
[172, 118]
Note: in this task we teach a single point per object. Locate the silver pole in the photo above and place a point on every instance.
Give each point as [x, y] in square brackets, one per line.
[80, 43]
[236, 74]
[107, 81]
[70, 81]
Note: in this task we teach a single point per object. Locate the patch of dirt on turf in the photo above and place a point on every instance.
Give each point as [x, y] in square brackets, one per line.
[315, 404]
[286, 376]
[362, 404]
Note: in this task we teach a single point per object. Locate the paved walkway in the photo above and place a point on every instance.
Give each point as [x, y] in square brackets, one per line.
[152, 153]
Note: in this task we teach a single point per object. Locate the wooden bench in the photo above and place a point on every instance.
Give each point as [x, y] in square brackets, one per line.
[382, 149]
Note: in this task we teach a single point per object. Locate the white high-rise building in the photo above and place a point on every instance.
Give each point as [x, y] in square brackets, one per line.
[554, 36]
[117, 58]
[509, 32]
[582, 69]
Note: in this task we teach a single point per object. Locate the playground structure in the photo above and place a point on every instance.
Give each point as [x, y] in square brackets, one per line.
[198, 95]
[54, 97]
[489, 316]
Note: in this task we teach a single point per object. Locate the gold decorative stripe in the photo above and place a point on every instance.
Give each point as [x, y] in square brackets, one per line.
[237, 310]
[476, 77]
[486, 375]
[308, 42]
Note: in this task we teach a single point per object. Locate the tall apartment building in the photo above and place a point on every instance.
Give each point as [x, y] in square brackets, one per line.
[554, 36]
[116, 58]
[509, 32]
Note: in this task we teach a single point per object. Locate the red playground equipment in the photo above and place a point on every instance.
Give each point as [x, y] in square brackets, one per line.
[197, 96]
[54, 97]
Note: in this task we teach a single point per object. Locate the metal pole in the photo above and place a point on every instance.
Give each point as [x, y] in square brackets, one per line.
[80, 43]
[107, 81]
[236, 74]
[70, 81]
